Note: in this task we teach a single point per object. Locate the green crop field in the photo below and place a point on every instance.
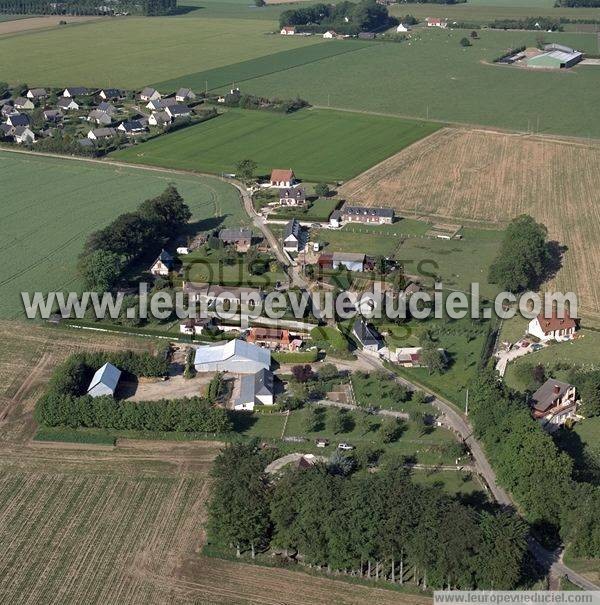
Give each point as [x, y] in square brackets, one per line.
[319, 145]
[51, 205]
[431, 75]
[133, 52]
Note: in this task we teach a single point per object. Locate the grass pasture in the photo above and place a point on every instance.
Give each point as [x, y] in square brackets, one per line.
[469, 175]
[346, 143]
[51, 205]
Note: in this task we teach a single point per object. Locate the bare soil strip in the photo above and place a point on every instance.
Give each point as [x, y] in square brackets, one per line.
[32, 23]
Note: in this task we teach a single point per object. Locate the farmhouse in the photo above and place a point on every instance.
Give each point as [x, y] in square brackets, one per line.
[553, 327]
[163, 264]
[274, 338]
[236, 356]
[402, 28]
[75, 91]
[23, 103]
[105, 381]
[150, 94]
[363, 214]
[98, 134]
[291, 236]
[329, 35]
[436, 22]
[23, 134]
[556, 59]
[110, 94]
[36, 94]
[288, 31]
[254, 389]
[353, 261]
[292, 196]
[184, 94]
[368, 338]
[99, 117]
[282, 178]
[68, 104]
[241, 238]
[553, 403]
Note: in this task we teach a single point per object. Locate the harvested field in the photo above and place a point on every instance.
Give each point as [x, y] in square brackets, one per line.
[22, 24]
[472, 175]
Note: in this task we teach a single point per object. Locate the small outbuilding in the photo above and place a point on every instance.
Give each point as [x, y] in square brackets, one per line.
[105, 381]
[255, 389]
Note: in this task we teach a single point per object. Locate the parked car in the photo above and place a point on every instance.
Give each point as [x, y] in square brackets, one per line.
[346, 447]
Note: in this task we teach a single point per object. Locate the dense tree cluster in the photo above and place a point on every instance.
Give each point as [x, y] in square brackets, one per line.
[87, 7]
[532, 468]
[588, 387]
[375, 525]
[524, 258]
[536, 23]
[345, 17]
[578, 3]
[131, 235]
[65, 403]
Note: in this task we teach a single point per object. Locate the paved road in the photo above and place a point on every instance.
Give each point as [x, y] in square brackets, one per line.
[550, 561]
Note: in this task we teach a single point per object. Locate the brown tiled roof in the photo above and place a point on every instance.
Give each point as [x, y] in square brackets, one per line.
[282, 174]
[552, 323]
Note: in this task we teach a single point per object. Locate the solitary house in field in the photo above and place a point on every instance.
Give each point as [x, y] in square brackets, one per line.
[163, 264]
[561, 58]
[254, 389]
[105, 381]
[553, 327]
[291, 236]
[292, 196]
[553, 403]
[368, 338]
[436, 22]
[288, 30]
[282, 177]
[236, 356]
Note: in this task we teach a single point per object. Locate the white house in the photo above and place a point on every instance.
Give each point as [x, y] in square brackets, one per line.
[23, 134]
[282, 178]
[155, 105]
[36, 94]
[131, 127]
[254, 389]
[553, 327]
[159, 118]
[68, 104]
[75, 91]
[553, 403]
[291, 236]
[110, 94]
[330, 34]
[402, 28]
[163, 264]
[184, 94]
[150, 94]
[105, 381]
[178, 111]
[23, 103]
[98, 134]
[236, 356]
[288, 31]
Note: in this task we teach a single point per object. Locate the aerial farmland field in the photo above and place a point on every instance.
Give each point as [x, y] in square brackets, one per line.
[51, 205]
[466, 175]
[347, 143]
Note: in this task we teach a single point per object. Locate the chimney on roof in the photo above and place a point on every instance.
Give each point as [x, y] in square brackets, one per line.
[556, 389]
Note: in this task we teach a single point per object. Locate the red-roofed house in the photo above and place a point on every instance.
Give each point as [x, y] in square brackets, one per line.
[282, 177]
[553, 327]
[273, 338]
[436, 22]
[288, 30]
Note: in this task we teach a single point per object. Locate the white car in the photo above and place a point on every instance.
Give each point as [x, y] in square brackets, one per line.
[346, 447]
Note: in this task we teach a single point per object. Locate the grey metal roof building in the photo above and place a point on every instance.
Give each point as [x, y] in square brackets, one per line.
[231, 236]
[368, 338]
[235, 356]
[105, 381]
[255, 389]
[556, 59]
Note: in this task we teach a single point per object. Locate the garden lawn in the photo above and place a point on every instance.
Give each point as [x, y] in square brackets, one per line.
[454, 482]
[51, 205]
[319, 145]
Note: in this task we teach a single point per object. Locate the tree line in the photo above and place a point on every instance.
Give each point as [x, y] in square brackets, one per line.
[533, 469]
[87, 7]
[577, 3]
[380, 526]
[345, 17]
[66, 403]
[107, 252]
